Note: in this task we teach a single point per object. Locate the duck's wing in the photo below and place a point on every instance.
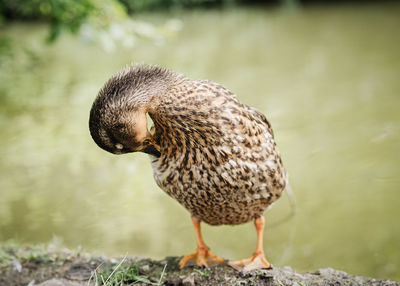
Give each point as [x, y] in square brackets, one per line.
[258, 117]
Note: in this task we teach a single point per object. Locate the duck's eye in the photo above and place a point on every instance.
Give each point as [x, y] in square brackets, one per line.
[120, 127]
[119, 146]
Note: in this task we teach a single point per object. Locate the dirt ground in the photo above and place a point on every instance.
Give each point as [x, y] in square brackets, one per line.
[46, 267]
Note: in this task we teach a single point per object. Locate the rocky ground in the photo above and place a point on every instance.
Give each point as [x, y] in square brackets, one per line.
[46, 267]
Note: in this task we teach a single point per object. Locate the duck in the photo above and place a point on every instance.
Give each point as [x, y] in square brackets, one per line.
[213, 154]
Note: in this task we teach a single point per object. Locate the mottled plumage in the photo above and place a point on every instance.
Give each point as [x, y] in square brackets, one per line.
[214, 155]
[218, 156]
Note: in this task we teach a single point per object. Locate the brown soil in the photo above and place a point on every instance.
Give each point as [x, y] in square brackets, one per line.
[68, 268]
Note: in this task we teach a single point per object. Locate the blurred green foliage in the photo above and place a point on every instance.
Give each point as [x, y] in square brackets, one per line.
[71, 14]
[61, 14]
[5, 46]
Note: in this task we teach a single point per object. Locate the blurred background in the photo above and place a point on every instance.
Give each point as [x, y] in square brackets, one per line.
[326, 74]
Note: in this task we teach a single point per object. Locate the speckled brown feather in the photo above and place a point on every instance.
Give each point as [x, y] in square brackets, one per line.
[218, 156]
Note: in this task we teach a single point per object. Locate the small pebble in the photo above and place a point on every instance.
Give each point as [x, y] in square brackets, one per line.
[188, 281]
[114, 261]
[145, 268]
[16, 265]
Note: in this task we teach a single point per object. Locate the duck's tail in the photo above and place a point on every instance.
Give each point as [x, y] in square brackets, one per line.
[292, 203]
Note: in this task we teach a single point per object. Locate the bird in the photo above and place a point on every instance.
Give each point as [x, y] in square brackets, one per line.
[213, 154]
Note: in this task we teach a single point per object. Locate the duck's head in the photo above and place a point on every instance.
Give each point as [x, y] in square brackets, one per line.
[122, 132]
[118, 122]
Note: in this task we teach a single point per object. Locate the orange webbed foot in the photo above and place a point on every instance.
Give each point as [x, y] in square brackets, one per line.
[257, 261]
[202, 257]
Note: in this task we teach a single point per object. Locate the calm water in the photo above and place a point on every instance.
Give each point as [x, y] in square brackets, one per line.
[327, 78]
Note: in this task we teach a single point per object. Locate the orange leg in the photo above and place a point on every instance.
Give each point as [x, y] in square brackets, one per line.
[257, 261]
[202, 255]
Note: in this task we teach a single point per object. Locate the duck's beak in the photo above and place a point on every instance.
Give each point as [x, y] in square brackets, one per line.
[150, 146]
[152, 151]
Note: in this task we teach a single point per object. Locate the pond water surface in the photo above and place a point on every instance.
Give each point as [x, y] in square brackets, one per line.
[328, 79]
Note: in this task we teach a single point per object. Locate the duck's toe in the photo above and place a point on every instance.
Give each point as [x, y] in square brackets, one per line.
[202, 258]
[257, 261]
